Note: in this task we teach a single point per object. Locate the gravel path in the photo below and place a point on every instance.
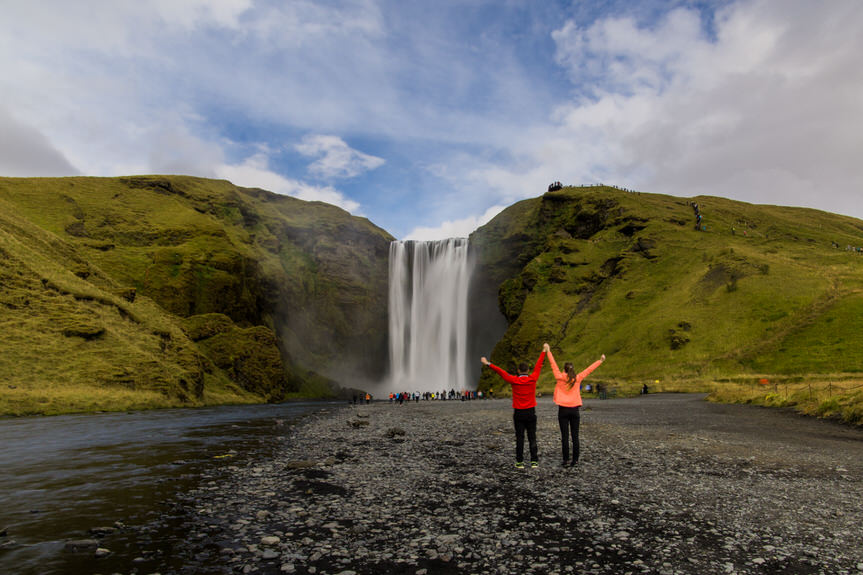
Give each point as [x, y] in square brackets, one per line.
[666, 484]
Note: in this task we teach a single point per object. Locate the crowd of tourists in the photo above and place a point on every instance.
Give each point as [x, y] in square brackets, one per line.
[444, 395]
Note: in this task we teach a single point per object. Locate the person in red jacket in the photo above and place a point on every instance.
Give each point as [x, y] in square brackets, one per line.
[523, 407]
[567, 395]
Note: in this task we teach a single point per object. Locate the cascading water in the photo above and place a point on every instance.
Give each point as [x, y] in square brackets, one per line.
[428, 315]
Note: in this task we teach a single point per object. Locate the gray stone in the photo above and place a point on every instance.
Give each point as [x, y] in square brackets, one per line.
[81, 545]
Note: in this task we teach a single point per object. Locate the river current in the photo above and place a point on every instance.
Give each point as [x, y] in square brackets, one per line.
[62, 477]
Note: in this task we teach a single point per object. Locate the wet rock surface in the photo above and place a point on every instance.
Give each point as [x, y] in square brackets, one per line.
[666, 484]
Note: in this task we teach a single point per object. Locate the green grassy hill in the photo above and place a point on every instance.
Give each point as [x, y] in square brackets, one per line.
[762, 292]
[166, 290]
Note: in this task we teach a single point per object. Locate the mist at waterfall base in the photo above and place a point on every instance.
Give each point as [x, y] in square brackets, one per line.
[428, 316]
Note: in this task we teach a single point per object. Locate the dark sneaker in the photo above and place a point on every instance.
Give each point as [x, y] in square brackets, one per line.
[534, 464]
[519, 465]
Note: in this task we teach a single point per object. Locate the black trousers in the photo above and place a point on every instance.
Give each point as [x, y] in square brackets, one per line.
[569, 419]
[525, 420]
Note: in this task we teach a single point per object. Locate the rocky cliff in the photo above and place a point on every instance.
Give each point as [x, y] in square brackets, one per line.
[743, 291]
[201, 291]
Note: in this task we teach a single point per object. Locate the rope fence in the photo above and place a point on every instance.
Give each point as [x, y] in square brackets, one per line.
[815, 390]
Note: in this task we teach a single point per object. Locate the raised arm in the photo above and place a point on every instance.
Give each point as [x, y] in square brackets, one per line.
[506, 377]
[590, 368]
[554, 369]
[538, 368]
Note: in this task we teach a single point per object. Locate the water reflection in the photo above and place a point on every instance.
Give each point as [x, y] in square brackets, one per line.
[63, 476]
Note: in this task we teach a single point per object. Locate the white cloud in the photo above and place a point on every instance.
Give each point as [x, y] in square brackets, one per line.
[335, 159]
[772, 94]
[175, 151]
[768, 111]
[194, 13]
[454, 229]
[624, 56]
[254, 172]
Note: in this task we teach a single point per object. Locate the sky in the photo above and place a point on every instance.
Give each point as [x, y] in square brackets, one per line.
[430, 117]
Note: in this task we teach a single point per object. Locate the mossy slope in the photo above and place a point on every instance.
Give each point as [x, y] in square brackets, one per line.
[272, 289]
[760, 292]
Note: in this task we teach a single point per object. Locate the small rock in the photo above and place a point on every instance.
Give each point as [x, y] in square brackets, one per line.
[288, 568]
[270, 540]
[270, 554]
[301, 464]
[82, 545]
[102, 552]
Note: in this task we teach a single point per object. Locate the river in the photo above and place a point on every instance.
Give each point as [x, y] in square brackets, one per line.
[61, 477]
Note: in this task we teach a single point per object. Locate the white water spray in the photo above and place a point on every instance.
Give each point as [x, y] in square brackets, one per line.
[428, 315]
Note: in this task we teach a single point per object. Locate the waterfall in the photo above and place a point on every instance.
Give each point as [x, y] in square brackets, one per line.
[428, 315]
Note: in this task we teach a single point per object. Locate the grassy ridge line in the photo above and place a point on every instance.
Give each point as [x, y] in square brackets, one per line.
[604, 271]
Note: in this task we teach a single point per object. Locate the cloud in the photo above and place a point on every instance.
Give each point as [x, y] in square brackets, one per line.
[767, 110]
[175, 151]
[454, 229]
[25, 151]
[195, 13]
[473, 104]
[254, 172]
[335, 158]
[619, 55]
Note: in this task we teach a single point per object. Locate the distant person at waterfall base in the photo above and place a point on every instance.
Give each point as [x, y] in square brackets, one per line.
[523, 407]
[567, 396]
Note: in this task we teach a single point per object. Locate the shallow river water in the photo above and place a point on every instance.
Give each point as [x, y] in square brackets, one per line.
[61, 477]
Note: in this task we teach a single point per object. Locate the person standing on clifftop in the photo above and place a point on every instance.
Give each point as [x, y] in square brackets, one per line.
[523, 408]
[567, 396]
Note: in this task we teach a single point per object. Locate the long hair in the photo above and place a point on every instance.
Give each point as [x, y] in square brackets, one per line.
[570, 375]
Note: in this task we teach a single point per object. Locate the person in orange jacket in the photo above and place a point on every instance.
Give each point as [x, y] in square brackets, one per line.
[567, 395]
[523, 407]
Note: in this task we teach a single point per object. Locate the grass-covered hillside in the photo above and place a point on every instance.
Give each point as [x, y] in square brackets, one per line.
[759, 293]
[165, 290]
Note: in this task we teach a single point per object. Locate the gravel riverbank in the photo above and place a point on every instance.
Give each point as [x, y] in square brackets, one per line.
[666, 484]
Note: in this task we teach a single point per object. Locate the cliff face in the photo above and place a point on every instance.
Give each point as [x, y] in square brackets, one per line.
[264, 295]
[756, 290]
